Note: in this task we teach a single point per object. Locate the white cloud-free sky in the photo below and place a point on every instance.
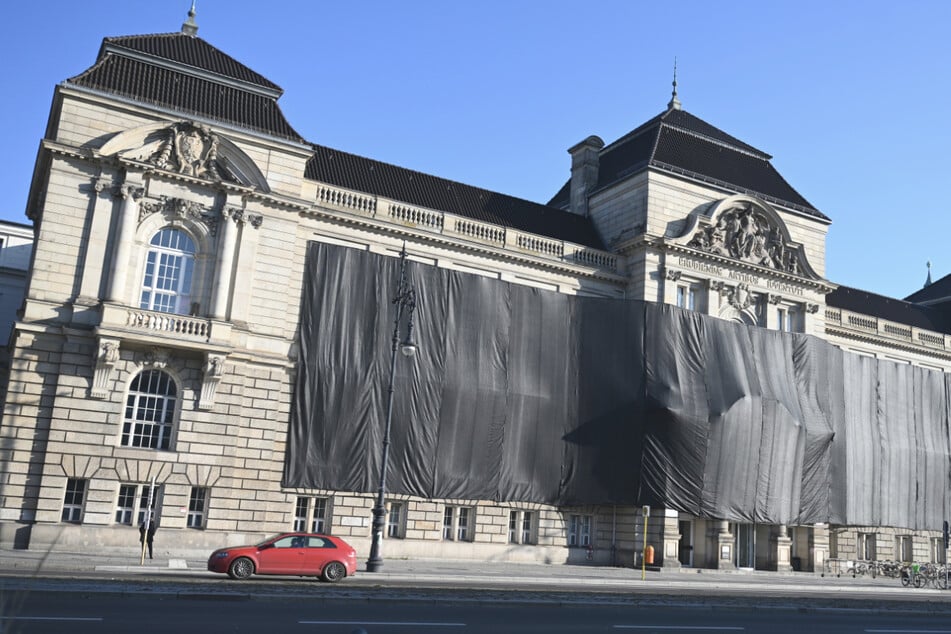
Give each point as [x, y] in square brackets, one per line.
[849, 97]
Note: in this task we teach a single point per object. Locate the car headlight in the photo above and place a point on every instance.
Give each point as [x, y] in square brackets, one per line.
[221, 555]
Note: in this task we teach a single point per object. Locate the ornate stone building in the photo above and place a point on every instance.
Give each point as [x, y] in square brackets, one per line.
[156, 352]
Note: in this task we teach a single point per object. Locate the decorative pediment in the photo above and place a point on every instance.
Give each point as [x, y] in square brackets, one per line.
[189, 149]
[748, 230]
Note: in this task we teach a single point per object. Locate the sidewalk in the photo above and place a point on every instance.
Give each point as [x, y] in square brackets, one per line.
[494, 575]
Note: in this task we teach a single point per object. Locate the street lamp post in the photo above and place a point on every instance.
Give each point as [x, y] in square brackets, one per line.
[405, 301]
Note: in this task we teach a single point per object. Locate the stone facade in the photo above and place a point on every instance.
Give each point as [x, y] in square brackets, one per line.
[115, 173]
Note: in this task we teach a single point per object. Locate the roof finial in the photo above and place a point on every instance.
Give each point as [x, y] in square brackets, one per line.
[674, 103]
[928, 281]
[189, 27]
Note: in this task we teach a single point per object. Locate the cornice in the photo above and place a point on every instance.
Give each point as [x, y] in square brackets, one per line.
[890, 344]
[459, 244]
[150, 171]
[820, 286]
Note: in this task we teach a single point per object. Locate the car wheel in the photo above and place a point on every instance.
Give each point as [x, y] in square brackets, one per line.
[334, 571]
[241, 568]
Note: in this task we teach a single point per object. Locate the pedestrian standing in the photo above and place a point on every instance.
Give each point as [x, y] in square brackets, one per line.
[147, 533]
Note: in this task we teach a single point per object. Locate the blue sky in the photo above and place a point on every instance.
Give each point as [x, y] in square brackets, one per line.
[849, 97]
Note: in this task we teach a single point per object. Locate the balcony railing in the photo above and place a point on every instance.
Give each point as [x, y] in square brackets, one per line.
[147, 323]
[433, 221]
[887, 331]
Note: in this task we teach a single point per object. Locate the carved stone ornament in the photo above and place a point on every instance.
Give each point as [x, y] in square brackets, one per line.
[740, 297]
[180, 209]
[189, 149]
[135, 192]
[745, 233]
[107, 356]
[186, 148]
[213, 372]
[157, 358]
[240, 216]
[812, 309]
[673, 275]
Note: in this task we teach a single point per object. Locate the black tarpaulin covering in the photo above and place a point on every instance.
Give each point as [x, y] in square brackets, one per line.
[521, 394]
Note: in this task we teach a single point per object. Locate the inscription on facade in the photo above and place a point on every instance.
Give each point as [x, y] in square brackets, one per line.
[739, 276]
[703, 267]
[783, 287]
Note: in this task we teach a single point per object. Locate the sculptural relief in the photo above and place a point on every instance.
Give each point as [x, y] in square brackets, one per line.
[189, 149]
[745, 233]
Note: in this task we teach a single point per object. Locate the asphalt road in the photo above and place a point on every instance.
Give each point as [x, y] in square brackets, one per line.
[82, 612]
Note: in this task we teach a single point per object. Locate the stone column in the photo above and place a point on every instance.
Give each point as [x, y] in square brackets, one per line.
[819, 547]
[671, 537]
[224, 266]
[726, 547]
[783, 546]
[125, 234]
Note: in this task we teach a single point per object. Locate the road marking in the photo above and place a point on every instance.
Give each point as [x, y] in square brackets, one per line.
[678, 627]
[50, 618]
[903, 631]
[388, 623]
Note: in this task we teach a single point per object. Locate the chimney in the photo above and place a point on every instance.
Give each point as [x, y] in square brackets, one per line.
[584, 173]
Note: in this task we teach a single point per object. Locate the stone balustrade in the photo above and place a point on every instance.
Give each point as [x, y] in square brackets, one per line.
[429, 220]
[887, 331]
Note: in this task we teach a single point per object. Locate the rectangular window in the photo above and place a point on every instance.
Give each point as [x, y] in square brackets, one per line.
[448, 519]
[579, 530]
[903, 548]
[938, 554]
[686, 297]
[144, 502]
[457, 523]
[865, 547]
[522, 527]
[395, 520]
[73, 500]
[462, 526]
[319, 518]
[310, 515]
[528, 527]
[125, 505]
[300, 515]
[786, 320]
[197, 507]
[132, 501]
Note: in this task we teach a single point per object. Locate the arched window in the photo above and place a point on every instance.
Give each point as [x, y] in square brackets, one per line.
[167, 284]
[149, 411]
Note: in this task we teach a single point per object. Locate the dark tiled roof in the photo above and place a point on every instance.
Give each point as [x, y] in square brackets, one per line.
[190, 51]
[381, 179]
[934, 293]
[166, 83]
[902, 312]
[678, 142]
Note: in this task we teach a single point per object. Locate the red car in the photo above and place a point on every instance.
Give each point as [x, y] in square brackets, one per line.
[301, 554]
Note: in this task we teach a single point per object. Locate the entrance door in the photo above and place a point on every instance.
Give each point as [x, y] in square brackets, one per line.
[745, 545]
[685, 550]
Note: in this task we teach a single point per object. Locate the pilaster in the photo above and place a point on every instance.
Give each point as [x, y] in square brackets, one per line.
[725, 541]
[782, 545]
